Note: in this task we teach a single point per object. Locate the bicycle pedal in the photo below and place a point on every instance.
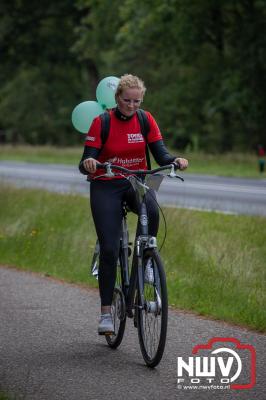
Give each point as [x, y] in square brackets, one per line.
[106, 333]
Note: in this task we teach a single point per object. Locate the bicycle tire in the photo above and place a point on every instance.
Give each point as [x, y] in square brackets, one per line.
[152, 320]
[118, 310]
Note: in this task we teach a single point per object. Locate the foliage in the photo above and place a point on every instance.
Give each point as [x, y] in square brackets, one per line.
[202, 61]
[41, 80]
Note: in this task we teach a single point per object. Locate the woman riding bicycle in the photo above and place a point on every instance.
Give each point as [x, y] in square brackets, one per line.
[125, 146]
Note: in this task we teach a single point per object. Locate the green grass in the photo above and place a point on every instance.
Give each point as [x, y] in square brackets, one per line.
[231, 164]
[42, 154]
[215, 263]
[5, 396]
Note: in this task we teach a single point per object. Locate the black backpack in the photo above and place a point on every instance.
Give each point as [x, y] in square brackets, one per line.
[144, 126]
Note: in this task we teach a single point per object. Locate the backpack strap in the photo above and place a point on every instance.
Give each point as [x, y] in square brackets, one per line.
[105, 122]
[145, 129]
[144, 122]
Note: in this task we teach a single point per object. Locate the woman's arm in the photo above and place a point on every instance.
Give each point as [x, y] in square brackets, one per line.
[163, 157]
[160, 153]
[89, 152]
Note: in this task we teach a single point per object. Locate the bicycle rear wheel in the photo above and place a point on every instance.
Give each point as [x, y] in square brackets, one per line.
[118, 311]
[153, 317]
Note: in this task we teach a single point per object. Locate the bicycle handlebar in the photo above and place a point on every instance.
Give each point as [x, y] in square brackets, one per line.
[137, 171]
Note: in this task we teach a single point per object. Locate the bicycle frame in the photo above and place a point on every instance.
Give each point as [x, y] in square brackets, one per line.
[142, 242]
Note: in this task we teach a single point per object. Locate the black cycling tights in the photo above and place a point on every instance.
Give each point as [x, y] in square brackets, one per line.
[107, 198]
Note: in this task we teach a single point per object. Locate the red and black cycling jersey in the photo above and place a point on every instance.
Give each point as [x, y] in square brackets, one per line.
[125, 145]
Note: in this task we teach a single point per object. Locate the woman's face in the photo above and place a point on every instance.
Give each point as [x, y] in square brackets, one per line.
[129, 101]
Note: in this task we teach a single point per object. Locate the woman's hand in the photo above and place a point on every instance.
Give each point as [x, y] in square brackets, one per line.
[183, 163]
[90, 165]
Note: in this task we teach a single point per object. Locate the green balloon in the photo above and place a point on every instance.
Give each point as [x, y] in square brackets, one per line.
[84, 113]
[105, 92]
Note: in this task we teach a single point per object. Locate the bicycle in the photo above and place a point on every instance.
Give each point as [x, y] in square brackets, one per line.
[140, 293]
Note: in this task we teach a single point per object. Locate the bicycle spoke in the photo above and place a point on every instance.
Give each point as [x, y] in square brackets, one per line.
[151, 322]
[151, 334]
[118, 314]
[153, 316]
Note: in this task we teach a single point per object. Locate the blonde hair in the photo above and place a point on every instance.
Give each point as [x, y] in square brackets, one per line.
[129, 81]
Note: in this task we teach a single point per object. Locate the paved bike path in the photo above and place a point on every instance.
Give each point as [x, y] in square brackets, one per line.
[49, 348]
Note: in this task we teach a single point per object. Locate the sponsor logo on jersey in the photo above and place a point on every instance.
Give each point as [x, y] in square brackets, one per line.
[135, 138]
[90, 138]
[126, 161]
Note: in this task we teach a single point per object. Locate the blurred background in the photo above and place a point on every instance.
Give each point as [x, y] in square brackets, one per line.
[203, 62]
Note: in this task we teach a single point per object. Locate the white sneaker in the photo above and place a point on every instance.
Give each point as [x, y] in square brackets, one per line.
[106, 326]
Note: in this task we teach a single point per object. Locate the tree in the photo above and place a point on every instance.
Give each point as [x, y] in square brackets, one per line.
[202, 61]
[41, 79]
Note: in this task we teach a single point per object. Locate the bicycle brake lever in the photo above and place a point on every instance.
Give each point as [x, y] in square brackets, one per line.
[106, 176]
[109, 172]
[98, 176]
[180, 177]
[175, 176]
[172, 173]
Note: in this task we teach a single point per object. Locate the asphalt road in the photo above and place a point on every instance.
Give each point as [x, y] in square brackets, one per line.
[49, 348]
[231, 195]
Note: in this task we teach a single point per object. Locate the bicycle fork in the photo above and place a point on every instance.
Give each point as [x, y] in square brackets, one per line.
[142, 243]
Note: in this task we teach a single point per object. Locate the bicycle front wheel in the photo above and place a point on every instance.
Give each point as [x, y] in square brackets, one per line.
[152, 318]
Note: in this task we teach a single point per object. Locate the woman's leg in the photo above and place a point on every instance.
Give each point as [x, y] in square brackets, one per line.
[106, 206]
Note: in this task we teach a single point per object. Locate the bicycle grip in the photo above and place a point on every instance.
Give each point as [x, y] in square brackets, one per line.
[176, 164]
[101, 165]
